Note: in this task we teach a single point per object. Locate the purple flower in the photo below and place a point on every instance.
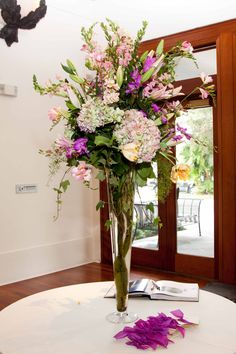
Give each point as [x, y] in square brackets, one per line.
[184, 131]
[155, 107]
[153, 332]
[80, 146]
[148, 63]
[143, 113]
[177, 137]
[136, 83]
[164, 120]
[69, 152]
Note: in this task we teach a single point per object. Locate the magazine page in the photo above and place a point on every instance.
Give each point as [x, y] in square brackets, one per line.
[176, 291]
[139, 286]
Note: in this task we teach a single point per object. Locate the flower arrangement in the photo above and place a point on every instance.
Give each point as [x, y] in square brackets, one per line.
[120, 119]
[123, 115]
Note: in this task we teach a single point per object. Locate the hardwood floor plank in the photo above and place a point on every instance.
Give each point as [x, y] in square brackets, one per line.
[83, 274]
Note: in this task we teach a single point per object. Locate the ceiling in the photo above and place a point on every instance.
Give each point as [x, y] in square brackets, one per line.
[164, 17]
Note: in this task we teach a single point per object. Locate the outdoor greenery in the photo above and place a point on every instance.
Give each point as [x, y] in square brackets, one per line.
[199, 156]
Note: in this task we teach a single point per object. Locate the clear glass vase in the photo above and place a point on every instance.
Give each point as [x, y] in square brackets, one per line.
[121, 202]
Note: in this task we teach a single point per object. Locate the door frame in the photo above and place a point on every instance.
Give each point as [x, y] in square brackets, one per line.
[222, 36]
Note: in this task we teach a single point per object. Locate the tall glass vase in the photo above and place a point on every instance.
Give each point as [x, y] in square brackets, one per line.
[121, 202]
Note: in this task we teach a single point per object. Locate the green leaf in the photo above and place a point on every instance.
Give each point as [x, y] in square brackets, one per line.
[144, 56]
[77, 79]
[146, 172]
[100, 205]
[57, 190]
[160, 47]
[102, 140]
[101, 176]
[150, 207]
[157, 222]
[71, 106]
[120, 76]
[139, 181]
[64, 185]
[67, 69]
[71, 65]
[146, 76]
[107, 224]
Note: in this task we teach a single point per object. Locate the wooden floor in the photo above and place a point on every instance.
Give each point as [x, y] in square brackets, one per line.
[83, 274]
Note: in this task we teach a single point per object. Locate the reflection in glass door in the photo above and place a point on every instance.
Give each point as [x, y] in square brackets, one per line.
[195, 197]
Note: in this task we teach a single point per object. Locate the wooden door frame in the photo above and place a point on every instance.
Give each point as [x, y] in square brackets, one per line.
[222, 36]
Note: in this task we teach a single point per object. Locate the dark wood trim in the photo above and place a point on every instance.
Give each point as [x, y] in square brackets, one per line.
[226, 110]
[186, 264]
[201, 37]
[147, 258]
[106, 254]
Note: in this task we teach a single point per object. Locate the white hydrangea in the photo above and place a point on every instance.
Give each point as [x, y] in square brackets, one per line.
[95, 113]
[139, 131]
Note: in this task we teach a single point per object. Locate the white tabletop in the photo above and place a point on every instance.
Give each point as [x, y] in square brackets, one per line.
[53, 322]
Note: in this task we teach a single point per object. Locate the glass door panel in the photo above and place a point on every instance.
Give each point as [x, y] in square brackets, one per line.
[195, 197]
[146, 230]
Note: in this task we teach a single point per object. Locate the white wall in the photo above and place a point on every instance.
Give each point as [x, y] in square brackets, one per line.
[30, 242]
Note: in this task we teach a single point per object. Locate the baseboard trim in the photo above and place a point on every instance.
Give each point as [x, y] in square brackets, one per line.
[28, 263]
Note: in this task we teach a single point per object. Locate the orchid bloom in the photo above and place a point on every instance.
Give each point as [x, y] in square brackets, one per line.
[206, 79]
[204, 93]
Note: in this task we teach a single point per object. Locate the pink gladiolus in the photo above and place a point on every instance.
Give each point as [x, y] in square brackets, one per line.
[204, 93]
[54, 114]
[187, 47]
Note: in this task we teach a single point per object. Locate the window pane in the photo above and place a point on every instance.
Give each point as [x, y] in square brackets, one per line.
[195, 197]
[206, 60]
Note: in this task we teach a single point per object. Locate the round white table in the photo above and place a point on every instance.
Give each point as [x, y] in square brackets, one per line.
[71, 320]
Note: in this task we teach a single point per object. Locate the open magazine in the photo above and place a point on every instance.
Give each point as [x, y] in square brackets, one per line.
[161, 290]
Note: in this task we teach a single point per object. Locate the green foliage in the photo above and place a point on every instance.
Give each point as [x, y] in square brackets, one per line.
[150, 206]
[87, 35]
[108, 224]
[97, 108]
[199, 152]
[164, 181]
[101, 176]
[143, 172]
[100, 204]
[160, 47]
[64, 185]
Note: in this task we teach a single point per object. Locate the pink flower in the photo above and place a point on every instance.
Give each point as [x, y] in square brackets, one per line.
[82, 172]
[54, 114]
[204, 93]
[206, 79]
[107, 65]
[63, 143]
[98, 57]
[85, 48]
[186, 47]
[125, 60]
